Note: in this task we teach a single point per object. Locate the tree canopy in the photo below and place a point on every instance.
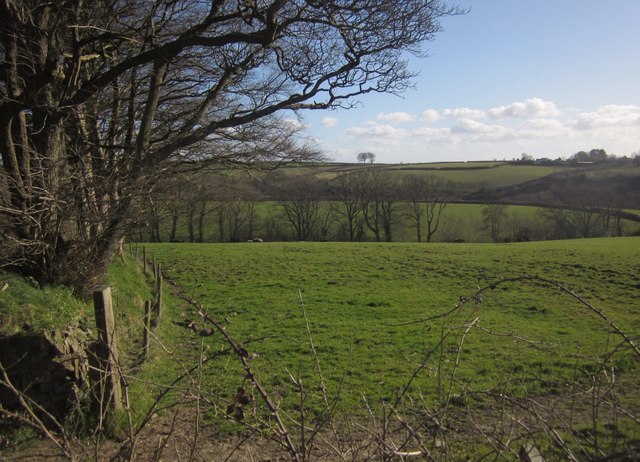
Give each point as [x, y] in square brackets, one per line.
[595, 155]
[366, 156]
[97, 98]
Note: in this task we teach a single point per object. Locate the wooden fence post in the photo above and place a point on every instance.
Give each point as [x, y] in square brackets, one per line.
[144, 260]
[107, 351]
[159, 296]
[147, 327]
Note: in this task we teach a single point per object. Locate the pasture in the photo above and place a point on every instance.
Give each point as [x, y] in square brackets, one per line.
[488, 177]
[465, 351]
[362, 305]
[471, 175]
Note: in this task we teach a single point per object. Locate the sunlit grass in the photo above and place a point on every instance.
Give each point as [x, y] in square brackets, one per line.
[26, 306]
[360, 297]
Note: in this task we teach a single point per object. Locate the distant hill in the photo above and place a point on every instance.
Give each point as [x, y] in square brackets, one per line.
[508, 182]
[325, 201]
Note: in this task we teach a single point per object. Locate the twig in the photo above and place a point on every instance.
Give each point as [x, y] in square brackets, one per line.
[196, 430]
[28, 405]
[510, 334]
[423, 450]
[313, 349]
[329, 407]
[242, 356]
[477, 296]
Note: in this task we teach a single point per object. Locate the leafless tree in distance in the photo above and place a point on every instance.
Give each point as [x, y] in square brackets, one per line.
[428, 198]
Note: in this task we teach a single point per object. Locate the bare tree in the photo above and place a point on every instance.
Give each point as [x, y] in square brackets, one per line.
[415, 190]
[175, 194]
[366, 156]
[96, 98]
[573, 222]
[576, 210]
[428, 197]
[302, 213]
[169, 201]
[233, 207]
[348, 191]
[493, 216]
[301, 204]
[239, 215]
[154, 214]
[378, 196]
[611, 214]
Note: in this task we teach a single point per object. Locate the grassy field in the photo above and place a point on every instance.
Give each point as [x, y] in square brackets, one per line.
[358, 324]
[495, 177]
[361, 301]
[470, 174]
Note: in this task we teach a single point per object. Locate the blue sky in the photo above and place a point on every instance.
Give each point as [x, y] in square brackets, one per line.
[547, 77]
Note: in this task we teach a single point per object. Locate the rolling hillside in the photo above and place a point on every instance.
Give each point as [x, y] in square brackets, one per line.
[508, 182]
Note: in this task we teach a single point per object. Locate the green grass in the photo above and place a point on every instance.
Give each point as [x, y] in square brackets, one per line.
[471, 175]
[361, 302]
[450, 165]
[129, 289]
[148, 376]
[27, 307]
[498, 176]
[628, 170]
[359, 297]
[468, 176]
[24, 305]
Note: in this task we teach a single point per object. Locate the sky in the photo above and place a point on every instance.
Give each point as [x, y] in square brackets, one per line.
[547, 78]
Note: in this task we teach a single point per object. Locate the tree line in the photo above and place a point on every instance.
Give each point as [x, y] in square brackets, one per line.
[366, 204]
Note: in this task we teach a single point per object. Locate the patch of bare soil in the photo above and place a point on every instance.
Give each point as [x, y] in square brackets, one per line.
[166, 438]
[557, 427]
[583, 422]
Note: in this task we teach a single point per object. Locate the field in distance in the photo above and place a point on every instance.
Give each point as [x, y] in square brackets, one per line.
[470, 176]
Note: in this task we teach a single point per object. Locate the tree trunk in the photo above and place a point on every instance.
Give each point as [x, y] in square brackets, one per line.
[201, 214]
[192, 227]
[252, 219]
[220, 223]
[174, 225]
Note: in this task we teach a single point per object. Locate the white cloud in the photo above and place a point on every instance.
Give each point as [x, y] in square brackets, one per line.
[396, 117]
[532, 107]
[434, 135]
[544, 128]
[469, 126]
[533, 125]
[329, 122]
[546, 124]
[463, 113]
[378, 131]
[479, 131]
[429, 116]
[609, 116]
